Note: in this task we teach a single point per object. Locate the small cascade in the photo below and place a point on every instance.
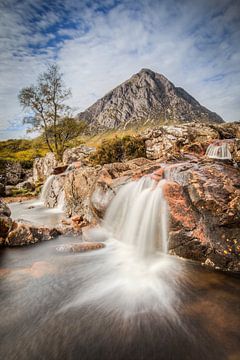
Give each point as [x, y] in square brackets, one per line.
[61, 201]
[219, 150]
[46, 188]
[138, 216]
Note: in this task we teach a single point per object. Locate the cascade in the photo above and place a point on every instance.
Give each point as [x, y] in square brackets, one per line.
[61, 201]
[138, 216]
[219, 150]
[46, 188]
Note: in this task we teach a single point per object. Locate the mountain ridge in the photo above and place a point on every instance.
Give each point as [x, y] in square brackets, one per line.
[146, 98]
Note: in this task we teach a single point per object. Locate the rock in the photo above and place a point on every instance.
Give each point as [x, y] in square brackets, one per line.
[112, 176]
[23, 233]
[2, 189]
[5, 221]
[5, 226]
[9, 189]
[4, 209]
[78, 187]
[59, 169]
[43, 167]
[80, 247]
[26, 185]
[77, 154]
[13, 172]
[147, 97]
[205, 214]
[54, 190]
[176, 140]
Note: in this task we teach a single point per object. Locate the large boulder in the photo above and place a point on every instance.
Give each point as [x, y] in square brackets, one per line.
[24, 233]
[78, 186]
[43, 167]
[204, 208]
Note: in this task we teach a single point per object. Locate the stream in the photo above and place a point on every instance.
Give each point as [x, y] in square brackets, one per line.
[115, 303]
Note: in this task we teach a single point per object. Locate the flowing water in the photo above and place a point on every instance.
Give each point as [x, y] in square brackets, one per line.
[46, 188]
[129, 300]
[35, 212]
[219, 151]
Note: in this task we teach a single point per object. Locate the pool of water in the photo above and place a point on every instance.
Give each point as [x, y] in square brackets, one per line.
[35, 212]
[109, 304]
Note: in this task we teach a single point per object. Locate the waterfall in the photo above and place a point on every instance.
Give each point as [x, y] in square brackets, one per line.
[219, 150]
[61, 201]
[138, 216]
[46, 188]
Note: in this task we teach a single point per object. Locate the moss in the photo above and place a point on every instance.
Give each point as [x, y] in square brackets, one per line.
[119, 149]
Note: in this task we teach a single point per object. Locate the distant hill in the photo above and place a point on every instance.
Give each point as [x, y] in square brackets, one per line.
[146, 98]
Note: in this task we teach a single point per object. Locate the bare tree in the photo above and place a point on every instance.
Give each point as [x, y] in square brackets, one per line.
[51, 116]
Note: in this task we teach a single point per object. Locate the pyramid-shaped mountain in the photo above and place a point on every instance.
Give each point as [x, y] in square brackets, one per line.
[146, 98]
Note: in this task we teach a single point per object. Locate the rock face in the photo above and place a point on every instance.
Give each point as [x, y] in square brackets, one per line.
[146, 98]
[205, 214]
[165, 141]
[43, 167]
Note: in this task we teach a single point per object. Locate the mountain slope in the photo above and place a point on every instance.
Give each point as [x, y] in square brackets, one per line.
[147, 97]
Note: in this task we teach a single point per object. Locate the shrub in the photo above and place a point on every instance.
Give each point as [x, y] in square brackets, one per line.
[118, 150]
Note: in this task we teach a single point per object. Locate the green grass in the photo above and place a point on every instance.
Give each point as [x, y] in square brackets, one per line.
[24, 151]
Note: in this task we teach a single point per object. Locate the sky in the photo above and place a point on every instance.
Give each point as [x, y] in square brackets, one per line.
[99, 44]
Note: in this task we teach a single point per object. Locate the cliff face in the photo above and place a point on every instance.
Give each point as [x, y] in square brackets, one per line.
[146, 98]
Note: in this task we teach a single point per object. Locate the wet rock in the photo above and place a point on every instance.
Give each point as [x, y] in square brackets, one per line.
[24, 233]
[80, 247]
[112, 176]
[205, 214]
[5, 227]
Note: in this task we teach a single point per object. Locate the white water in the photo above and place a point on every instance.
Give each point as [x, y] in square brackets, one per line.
[46, 188]
[61, 201]
[133, 274]
[138, 216]
[219, 151]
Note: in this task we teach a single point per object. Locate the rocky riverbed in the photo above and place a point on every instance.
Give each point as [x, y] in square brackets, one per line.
[203, 194]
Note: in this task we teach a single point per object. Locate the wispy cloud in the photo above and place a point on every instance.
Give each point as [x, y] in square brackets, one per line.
[99, 44]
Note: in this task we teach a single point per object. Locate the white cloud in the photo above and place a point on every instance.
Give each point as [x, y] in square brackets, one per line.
[194, 44]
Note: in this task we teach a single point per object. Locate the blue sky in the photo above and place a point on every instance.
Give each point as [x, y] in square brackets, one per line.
[99, 44]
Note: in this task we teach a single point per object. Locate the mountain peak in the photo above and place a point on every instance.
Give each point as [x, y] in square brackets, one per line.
[146, 98]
